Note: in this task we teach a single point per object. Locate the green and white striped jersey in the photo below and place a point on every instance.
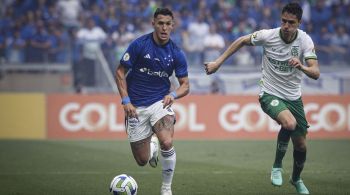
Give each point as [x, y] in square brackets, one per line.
[278, 77]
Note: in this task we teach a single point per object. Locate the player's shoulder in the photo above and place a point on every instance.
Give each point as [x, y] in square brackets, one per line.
[303, 35]
[265, 34]
[269, 31]
[143, 39]
[174, 47]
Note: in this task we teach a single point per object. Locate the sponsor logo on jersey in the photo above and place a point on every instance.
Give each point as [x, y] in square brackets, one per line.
[154, 73]
[281, 66]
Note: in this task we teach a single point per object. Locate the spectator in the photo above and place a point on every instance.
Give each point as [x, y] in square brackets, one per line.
[192, 22]
[28, 29]
[68, 11]
[323, 46]
[16, 48]
[217, 86]
[339, 43]
[244, 58]
[193, 45]
[306, 10]
[2, 45]
[213, 44]
[39, 44]
[76, 59]
[109, 48]
[90, 37]
[58, 50]
[122, 37]
[51, 16]
[266, 21]
[320, 14]
[111, 21]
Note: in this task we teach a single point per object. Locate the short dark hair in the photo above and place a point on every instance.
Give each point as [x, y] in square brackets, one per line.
[293, 8]
[163, 11]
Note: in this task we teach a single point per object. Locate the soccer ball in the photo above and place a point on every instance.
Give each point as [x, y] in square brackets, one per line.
[123, 185]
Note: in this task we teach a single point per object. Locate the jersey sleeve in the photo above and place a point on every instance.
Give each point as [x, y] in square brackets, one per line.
[130, 55]
[308, 48]
[258, 38]
[181, 65]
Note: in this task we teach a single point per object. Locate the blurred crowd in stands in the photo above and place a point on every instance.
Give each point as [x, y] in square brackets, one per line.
[69, 31]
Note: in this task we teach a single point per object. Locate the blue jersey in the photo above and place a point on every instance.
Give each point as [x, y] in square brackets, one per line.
[150, 66]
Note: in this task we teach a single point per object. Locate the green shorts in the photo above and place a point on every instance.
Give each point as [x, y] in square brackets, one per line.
[273, 105]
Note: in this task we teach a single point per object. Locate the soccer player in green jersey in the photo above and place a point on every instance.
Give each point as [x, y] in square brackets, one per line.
[288, 54]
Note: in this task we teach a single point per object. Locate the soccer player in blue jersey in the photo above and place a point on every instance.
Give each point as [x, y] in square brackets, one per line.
[144, 86]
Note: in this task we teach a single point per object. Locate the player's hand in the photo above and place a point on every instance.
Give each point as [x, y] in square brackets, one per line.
[168, 101]
[211, 67]
[130, 111]
[295, 62]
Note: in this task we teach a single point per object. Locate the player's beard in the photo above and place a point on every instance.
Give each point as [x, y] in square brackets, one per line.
[288, 35]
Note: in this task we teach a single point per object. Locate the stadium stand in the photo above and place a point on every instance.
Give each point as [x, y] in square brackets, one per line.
[40, 36]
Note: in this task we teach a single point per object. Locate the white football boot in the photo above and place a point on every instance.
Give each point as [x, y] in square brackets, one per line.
[276, 176]
[165, 190]
[154, 158]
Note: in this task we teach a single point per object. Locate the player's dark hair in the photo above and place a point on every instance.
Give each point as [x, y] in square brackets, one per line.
[293, 8]
[163, 11]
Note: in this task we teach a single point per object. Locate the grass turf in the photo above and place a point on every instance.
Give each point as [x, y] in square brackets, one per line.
[203, 167]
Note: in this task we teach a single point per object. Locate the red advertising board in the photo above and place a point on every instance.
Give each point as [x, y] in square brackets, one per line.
[85, 116]
[198, 117]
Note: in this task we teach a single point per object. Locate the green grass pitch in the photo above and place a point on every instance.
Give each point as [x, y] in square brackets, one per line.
[203, 167]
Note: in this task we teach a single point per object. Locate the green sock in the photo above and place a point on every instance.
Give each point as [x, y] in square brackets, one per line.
[281, 148]
[298, 165]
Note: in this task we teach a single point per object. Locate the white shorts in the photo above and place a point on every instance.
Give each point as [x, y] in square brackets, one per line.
[141, 128]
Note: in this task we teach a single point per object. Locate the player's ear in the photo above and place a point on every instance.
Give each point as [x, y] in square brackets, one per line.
[153, 22]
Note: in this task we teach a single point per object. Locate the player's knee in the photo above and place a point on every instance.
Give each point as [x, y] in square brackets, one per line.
[289, 124]
[300, 147]
[166, 144]
[141, 162]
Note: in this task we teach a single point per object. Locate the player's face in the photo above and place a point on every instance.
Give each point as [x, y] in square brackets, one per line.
[163, 25]
[289, 24]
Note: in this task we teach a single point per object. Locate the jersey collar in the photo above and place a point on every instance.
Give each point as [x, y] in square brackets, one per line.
[288, 42]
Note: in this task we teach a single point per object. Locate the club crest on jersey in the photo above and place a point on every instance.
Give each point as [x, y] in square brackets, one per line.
[126, 57]
[255, 35]
[274, 103]
[295, 51]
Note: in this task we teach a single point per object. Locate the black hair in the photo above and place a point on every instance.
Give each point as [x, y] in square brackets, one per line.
[163, 11]
[293, 8]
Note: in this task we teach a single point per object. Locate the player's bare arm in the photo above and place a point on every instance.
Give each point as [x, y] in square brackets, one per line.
[311, 70]
[183, 90]
[129, 109]
[212, 67]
